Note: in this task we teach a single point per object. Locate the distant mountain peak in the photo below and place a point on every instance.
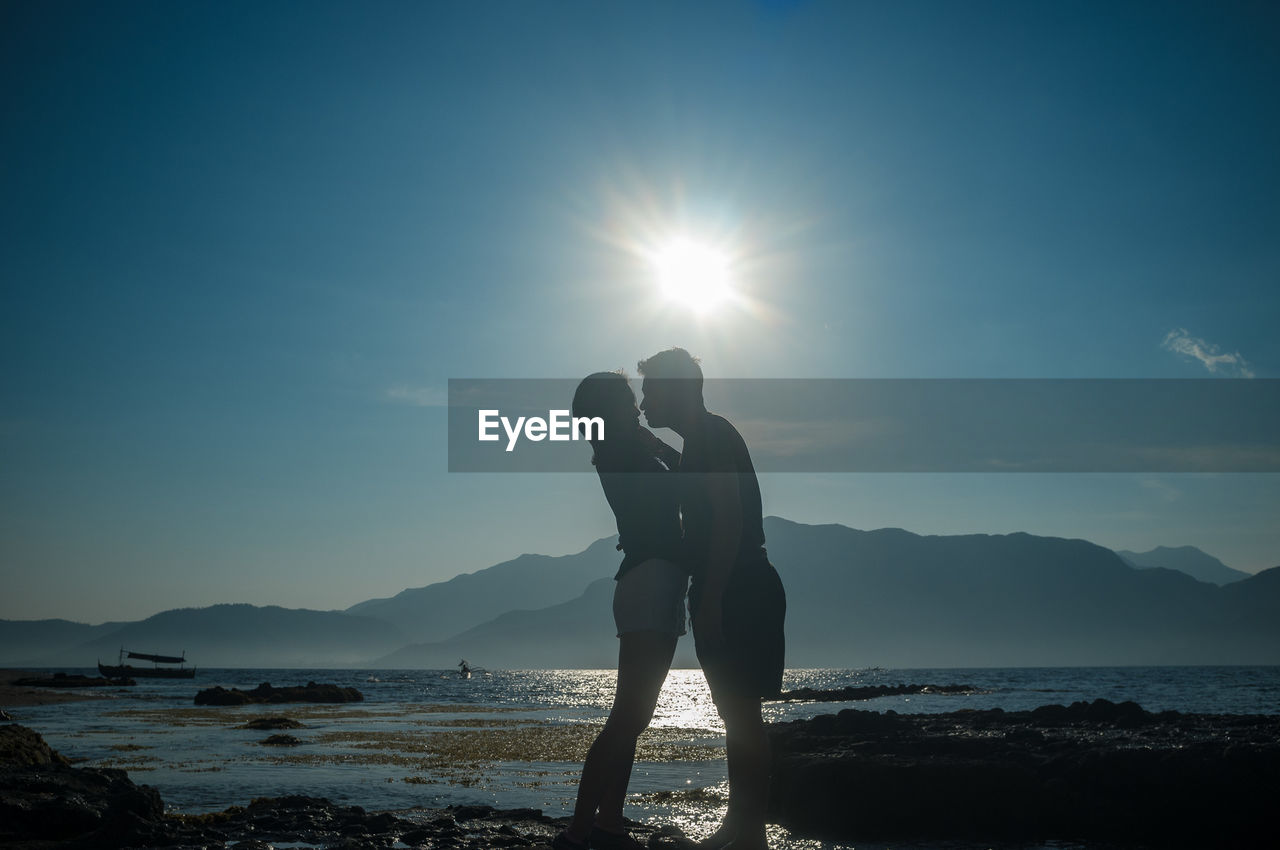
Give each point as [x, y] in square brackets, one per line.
[1196, 563]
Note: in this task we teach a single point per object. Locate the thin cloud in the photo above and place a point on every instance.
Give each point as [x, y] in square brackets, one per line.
[1162, 488]
[418, 396]
[1179, 341]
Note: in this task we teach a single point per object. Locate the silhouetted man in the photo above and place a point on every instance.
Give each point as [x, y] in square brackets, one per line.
[736, 598]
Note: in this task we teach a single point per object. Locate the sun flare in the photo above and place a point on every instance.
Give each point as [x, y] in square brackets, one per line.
[693, 274]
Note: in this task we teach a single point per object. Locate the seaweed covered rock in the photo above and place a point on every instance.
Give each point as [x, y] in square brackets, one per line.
[869, 692]
[43, 798]
[266, 693]
[264, 723]
[1097, 771]
[318, 821]
[23, 747]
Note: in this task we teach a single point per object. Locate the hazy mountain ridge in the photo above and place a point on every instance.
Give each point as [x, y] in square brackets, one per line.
[230, 635]
[24, 640]
[1187, 559]
[444, 609]
[893, 598]
[896, 599]
[577, 633]
[886, 597]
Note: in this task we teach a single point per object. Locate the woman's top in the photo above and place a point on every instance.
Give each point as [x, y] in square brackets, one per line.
[643, 494]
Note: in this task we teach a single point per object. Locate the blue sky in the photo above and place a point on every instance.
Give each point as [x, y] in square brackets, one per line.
[247, 244]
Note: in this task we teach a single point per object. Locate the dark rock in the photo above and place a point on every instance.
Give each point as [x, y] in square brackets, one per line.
[417, 836]
[265, 693]
[43, 798]
[23, 747]
[280, 741]
[471, 812]
[382, 822]
[1096, 771]
[852, 694]
[264, 723]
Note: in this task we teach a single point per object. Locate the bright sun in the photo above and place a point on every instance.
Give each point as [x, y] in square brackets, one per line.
[693, 274]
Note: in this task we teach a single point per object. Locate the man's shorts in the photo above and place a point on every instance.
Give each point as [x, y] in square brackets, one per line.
[650, 598]
[750, 660]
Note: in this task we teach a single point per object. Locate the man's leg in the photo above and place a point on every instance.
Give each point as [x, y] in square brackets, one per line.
[748, 665]
[747, 755]
[748, 766]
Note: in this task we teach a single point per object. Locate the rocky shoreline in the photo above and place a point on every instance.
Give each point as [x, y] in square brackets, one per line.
[1095, 771]
[46, 803]
[1089, 772]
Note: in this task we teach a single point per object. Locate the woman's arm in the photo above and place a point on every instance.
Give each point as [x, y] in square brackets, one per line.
[663, 452]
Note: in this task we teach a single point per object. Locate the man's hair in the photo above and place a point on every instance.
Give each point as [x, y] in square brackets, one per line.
[674, 363]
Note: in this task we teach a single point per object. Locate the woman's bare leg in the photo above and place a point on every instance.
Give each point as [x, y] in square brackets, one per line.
[643, 661]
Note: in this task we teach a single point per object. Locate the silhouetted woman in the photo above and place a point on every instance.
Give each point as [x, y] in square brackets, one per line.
[636, 470]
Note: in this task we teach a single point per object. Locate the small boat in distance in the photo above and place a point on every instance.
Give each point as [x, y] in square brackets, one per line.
[124, 671]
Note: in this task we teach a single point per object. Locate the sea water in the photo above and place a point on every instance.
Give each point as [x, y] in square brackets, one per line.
[427, 739]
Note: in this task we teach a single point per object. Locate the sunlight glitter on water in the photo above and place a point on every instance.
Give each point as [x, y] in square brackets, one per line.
[685, 703]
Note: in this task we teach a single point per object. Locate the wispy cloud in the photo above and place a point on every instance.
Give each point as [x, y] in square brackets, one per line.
[1179, 341]
[418, 396]
[1162, 488]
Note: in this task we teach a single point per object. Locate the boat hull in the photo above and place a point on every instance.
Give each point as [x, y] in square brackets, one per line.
[125, 671]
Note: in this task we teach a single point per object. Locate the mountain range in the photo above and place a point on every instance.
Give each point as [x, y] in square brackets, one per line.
[855, 598]
[1184, 559]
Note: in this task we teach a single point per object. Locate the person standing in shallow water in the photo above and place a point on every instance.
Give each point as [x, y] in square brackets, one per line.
[635, 470]
[736, 598]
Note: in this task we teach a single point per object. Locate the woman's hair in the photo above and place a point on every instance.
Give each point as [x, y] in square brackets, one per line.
[603, 394]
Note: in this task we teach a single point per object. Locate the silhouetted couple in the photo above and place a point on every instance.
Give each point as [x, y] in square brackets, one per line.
[692, 515]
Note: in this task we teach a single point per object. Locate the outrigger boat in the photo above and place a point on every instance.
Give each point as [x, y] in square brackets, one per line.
[124, 671]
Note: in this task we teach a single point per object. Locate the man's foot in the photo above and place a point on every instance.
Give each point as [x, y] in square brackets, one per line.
[756, 843]
[719, 839]
[604, 840]
[749, 839]
[562, 841]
